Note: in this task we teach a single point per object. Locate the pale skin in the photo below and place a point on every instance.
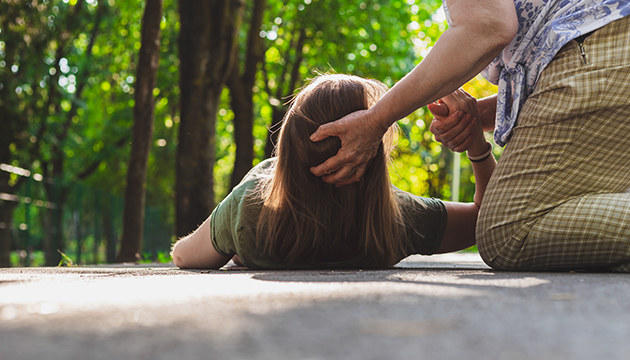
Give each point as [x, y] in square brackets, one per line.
[196, 251]
[488, 24]
[457, 128]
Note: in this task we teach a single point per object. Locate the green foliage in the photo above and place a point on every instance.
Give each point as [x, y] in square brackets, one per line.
[161, 258]
[422, 166]
[164, 257]
[74, 87]
[23, 258]
[67, 75]
[472, 249]
[65, 260]
[376, 39]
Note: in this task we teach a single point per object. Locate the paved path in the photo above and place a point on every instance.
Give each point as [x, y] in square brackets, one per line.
[439, 307]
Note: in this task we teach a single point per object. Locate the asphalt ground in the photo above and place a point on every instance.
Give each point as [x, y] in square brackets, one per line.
[439, 307]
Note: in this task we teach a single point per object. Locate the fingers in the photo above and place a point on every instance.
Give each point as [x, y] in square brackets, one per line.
[438, 109]
[334, 175]
[356, 176]
[340, 172]
[334, 163]
[451, 102]
[464, 140]
[359, 144]
[461, 100]
[446, 129]
[460, 129]
[328, 167]
[458, 137]
[324, 131]
[337, 177]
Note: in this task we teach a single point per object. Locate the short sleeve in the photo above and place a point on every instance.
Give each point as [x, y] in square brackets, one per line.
[447, 13]
[233, 221]
[424, 222]
[220, 225]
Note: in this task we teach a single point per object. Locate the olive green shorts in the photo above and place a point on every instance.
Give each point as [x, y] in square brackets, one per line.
[559, 198]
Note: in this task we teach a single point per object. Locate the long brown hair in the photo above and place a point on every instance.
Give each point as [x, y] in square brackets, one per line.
[305, 219]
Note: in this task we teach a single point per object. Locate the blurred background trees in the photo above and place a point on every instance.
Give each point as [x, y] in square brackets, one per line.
[143, 111]
[68, 80]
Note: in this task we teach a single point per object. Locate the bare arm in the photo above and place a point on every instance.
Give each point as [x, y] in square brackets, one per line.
[457, 126]
[487, 112]
[462, 131]
[488, 24]
[460, 227]
[196, 251]
[462, 217]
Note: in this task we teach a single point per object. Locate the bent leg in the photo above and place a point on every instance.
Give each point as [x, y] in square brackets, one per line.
[592, 231]
[557, 198]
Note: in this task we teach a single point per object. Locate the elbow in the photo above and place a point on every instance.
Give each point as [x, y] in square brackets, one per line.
[493, 28]
[507, 29]
[496, 36]
[177, 260]
[177, 257]
[500, 28]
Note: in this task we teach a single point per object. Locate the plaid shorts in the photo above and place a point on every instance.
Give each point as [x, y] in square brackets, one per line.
[559, 198]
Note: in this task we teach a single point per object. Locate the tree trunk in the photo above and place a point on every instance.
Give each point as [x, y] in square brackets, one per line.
[57, 193]
[98, 213]
[6, 206]
[135, 192]
[206, 41]
[6, 221]
[56, 240]
[12, 123]
[108, 229]
[241, 92]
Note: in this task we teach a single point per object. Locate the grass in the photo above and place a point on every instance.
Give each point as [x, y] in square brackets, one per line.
[37, 258]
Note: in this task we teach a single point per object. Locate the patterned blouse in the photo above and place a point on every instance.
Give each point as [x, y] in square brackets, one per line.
[544, 27]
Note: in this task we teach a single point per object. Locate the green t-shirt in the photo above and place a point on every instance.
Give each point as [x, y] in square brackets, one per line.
[234, 221]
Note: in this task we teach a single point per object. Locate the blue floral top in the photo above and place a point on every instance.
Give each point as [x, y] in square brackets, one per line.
[544, 27]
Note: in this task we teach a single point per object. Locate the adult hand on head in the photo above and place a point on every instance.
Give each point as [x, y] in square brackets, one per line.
[360, 140]
[456, 123]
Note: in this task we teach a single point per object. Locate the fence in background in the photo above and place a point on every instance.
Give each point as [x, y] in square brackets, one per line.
[85, 223]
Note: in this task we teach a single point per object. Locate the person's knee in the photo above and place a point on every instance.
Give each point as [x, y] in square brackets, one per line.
[484, 241]
[487, 253]
[494, 249]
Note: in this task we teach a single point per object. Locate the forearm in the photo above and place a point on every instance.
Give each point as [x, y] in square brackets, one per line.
[462, 217]
[487, 112]
[482, 170]
[460, 227]
[451, 62]
[196, 250]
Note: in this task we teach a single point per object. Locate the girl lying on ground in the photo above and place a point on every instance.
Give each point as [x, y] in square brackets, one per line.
[282, 216]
